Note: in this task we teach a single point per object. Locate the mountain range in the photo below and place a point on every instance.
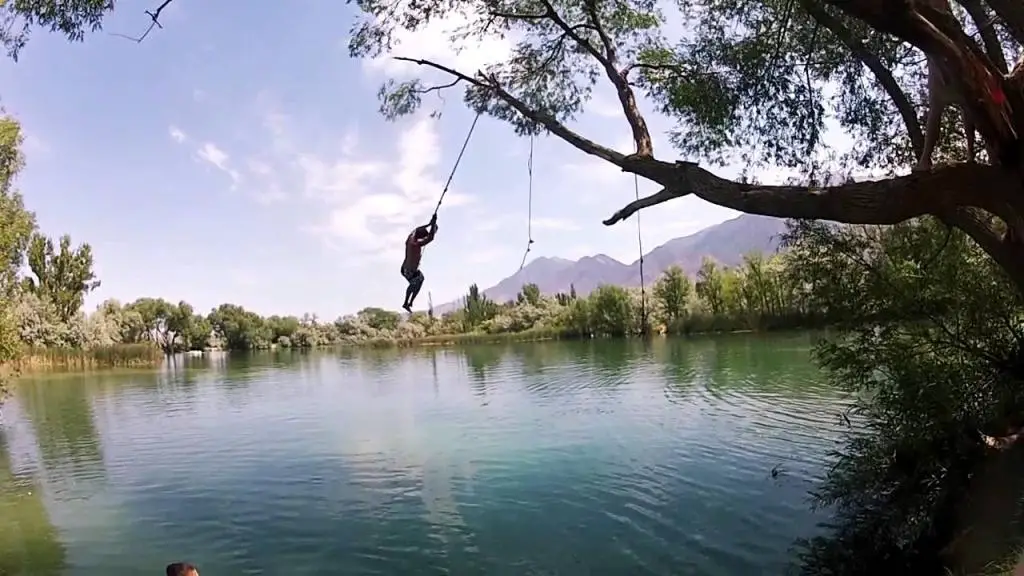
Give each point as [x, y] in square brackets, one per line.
[726, 243]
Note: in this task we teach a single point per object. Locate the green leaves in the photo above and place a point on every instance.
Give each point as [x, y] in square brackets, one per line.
[477, 308]
[62, 276]
[749, 81]
[551, 66]
[16, 227]
[672, 293]
[72, 18]
[927, 338]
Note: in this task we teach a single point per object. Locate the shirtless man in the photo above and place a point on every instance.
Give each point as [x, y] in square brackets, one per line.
[414, 244]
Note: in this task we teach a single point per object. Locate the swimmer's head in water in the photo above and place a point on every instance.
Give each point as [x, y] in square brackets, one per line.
[182, 569]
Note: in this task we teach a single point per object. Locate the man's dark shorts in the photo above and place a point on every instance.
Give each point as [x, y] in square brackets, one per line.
[415, 277]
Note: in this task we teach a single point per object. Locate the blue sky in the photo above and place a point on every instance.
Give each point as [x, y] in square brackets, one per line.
[238, 156]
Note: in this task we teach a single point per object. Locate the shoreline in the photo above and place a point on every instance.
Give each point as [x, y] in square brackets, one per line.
[143, 357]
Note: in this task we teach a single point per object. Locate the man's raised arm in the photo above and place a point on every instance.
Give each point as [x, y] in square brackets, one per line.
[431, 231]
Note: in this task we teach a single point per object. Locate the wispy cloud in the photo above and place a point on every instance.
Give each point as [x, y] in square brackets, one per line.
[177, 134]
[212, 154]
[562, 224]
[439, 43]
[372, 202]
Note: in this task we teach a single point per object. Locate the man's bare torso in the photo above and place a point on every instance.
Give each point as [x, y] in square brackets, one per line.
[413, 253]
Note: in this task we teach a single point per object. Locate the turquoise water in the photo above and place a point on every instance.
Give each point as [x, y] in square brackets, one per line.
[548, 458]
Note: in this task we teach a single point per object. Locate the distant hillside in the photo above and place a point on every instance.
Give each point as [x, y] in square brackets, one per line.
[726, 242]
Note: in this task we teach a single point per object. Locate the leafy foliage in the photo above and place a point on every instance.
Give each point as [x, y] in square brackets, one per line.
[16, 227]
[746, 80]
[929, 347]
[72, 18]
[62, 277]
[672, 292]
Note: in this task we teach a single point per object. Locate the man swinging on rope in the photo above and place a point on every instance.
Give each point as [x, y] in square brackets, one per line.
[414, 244]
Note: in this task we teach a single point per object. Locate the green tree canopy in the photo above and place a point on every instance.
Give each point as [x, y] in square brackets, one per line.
[672, 292]
[754, 81]
[16, 227]
[62, 276]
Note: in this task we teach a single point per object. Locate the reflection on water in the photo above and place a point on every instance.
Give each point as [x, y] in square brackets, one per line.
[570, 458]
[28, 540]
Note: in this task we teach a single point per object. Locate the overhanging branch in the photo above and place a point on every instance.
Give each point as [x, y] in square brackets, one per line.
[553, 125]
[889, 201]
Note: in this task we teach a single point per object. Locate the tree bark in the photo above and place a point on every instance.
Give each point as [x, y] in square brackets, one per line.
[888, 201]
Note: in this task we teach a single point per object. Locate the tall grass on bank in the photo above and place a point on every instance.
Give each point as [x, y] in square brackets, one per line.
[533, 335]
[115, 356]
[690, 325]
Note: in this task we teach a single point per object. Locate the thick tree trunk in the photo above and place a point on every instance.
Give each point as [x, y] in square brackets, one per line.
[988, 516]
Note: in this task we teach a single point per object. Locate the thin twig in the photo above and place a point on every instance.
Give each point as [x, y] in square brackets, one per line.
[154, 16]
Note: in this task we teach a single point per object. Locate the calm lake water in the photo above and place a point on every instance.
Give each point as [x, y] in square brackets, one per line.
[549, 458]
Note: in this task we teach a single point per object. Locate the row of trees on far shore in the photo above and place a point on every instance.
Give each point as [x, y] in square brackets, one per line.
[44, 310]
[759, 294]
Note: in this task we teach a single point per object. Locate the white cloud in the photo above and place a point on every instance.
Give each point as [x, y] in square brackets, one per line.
[560, 224]
[176, 134]
[488, 254]
[483, 224]
[260, 168]
[272, 194]
[214, 155]
[373, 203]
[211, 153]
[436, 42]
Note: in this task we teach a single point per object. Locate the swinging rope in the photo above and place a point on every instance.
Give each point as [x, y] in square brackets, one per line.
[640, 245]
[457, 160]
[529, 207]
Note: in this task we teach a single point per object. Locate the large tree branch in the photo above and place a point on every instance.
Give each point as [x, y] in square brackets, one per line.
[553, 125]
[978, 226]
[606, 41]
[607, 60]
[888, 201]
[882, 74]
[940, 36]
[983, 22]
[1011, 12]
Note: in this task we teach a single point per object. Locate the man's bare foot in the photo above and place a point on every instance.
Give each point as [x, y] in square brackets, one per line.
[407, 308]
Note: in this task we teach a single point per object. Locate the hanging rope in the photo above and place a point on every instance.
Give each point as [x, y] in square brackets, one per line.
[640, 245]
[457, 160]
[529, 207]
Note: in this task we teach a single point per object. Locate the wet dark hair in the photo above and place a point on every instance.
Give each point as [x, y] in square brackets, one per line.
[421, 232]
[181, 569]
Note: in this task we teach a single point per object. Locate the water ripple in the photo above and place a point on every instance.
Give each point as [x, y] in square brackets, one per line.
[557, 458]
